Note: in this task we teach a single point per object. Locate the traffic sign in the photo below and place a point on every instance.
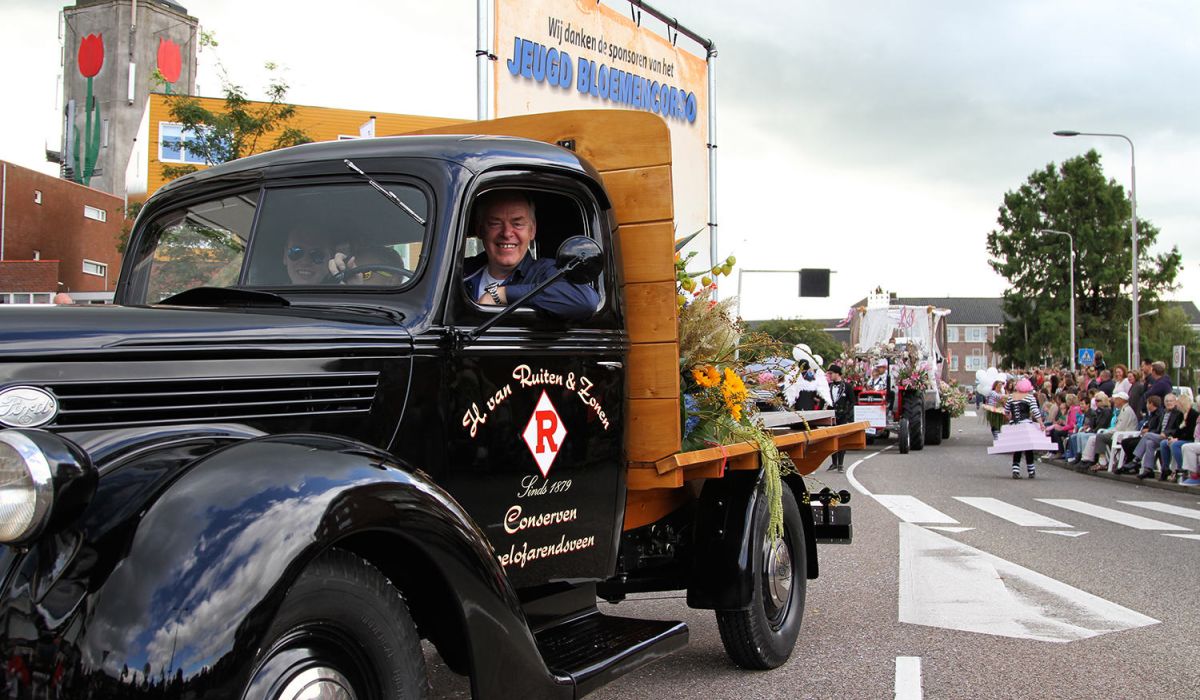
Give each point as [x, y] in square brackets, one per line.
[1087, 356]
[1179, 356]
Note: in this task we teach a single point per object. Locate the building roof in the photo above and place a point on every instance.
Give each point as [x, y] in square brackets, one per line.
[1189, 309]
[963, 310]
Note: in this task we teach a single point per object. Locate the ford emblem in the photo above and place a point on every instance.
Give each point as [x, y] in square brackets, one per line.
[27, 407]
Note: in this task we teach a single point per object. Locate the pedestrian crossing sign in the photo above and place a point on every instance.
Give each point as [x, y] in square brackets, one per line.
[1087, 356]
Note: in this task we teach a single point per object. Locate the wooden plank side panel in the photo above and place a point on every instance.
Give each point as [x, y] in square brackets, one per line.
[652, 429]
[647, 252]
[651, 316]
[645, 507]
[653, 371]
[609, 139]
[640, 195]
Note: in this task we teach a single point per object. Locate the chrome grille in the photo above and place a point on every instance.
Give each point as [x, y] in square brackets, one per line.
[97, 404]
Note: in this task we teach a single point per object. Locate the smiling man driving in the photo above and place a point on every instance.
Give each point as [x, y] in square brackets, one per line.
[505, 271]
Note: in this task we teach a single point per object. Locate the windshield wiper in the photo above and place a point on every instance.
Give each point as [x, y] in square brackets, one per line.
[386, 192]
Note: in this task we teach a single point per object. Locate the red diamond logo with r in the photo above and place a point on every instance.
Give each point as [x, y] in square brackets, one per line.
[544, 434]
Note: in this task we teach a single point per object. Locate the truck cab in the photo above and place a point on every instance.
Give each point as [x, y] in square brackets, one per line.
[254, 476]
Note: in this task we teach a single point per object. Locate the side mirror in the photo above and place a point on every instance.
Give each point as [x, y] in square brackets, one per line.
[581, 259]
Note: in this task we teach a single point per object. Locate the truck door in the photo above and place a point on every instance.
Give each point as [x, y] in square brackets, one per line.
[535, 403]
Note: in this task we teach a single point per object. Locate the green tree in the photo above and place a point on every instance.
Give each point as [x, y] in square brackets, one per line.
[789, 332]
[1076, 198]
[1163, 331]
[242, 128]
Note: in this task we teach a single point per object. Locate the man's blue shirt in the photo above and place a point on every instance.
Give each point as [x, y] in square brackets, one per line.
[562, 299]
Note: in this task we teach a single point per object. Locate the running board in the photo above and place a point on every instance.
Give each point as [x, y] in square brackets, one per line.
[595, 649]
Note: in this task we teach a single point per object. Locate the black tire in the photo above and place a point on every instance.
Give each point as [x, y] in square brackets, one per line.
[902, 435]
[945, 425]
[342, 625]
[763, 636]
[933, 427]
[915, 413]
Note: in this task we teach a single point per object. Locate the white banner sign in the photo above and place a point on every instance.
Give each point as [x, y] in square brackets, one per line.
[557, 55]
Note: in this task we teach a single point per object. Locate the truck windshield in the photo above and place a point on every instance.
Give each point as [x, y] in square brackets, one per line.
[332, 236]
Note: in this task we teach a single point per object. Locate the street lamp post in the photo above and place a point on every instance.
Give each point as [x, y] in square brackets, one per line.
[1134, 353]
[1071, 283]
[1129, 344]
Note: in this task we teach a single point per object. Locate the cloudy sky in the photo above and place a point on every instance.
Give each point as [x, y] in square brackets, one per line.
[873, 138]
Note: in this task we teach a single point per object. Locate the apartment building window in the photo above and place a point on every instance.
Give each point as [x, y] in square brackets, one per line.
[951, 334]
[95, 213]
[976, 363]
[976, 334]
[173, 144]
[24, 298]
[37, 196]
[91, 267]
[954, 363]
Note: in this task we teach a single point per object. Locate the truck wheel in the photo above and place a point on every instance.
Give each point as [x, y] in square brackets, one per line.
[945, 426]
[933, 427]
[342, 631]
[763, 636]
[915, 412]
[902, 435]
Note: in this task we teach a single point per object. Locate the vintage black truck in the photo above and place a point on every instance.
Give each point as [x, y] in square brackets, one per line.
[239, 483]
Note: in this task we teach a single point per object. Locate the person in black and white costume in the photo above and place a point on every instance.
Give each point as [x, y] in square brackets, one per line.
[1021, 407]
[842, 402]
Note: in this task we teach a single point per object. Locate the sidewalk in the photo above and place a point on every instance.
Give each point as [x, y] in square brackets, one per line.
[1152, 482]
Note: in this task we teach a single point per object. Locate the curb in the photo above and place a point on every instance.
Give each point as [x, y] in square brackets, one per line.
[1127, 478]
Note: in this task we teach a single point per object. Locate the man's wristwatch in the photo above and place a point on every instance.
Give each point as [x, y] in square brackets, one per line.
[491, 290]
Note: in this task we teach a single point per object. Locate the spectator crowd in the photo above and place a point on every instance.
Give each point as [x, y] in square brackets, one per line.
[1130, 421]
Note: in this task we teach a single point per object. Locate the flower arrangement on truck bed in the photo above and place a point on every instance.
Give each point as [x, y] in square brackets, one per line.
[715, 404]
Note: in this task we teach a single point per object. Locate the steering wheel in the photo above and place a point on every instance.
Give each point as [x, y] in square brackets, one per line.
[400, 272]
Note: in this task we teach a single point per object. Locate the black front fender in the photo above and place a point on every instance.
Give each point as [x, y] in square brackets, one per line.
[189, 600]
[722, 572]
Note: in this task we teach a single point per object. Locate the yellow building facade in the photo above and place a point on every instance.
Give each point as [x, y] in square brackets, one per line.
[161, 142]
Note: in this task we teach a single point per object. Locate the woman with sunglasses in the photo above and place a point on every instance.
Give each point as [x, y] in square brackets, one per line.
[306, 257]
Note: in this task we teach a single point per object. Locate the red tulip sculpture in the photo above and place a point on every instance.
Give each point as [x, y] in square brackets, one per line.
[91, 60]
[170, 62]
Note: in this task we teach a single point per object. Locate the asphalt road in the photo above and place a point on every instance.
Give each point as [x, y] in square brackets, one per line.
[1119, 598]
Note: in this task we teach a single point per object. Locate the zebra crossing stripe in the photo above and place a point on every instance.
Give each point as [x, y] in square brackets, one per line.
[1166, 508]
[1011, 513]
[1111, 515]
[912, 510]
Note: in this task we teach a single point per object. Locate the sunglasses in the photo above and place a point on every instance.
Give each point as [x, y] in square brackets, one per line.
[317, 255]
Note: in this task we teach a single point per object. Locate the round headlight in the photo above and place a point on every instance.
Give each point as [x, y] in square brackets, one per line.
[26, 487]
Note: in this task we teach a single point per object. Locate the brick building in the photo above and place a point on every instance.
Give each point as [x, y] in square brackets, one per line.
[56, 236]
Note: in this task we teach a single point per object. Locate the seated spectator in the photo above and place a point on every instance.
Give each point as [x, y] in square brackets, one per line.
[1094, 420]
[1191, 458]
[1146, 451]
[1179, 432]
[1150, 423]
[1123, 424]
[1070, 418]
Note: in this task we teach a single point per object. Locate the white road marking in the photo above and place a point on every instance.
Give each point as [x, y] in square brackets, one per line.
[1065, 533]
[1186, 537]
[912, 510]
[1166, 508]
[947, 584]
[970, 414]
[854, 482]
[1009, 512]
[950, 529]
[1111, 515]
[908, 678]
